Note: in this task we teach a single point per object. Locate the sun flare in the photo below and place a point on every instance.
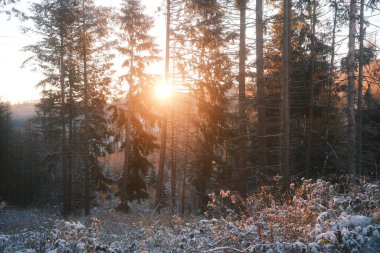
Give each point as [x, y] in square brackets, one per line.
[163, 90]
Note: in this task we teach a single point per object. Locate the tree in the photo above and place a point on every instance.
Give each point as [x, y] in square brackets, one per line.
[285, 89]
[301, 80]
[205, 68]
[69, 54]
[242, 4]
[52, 20]
[161, 165]
[312, 83]
[5, 159]
[260, 86]
[351, 88]
[94, 50]
[359, 122]
[139, 49]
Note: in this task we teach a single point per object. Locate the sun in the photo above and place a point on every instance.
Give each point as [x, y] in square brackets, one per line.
[163, 90]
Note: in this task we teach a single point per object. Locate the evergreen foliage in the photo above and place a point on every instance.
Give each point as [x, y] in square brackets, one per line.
[134, 113]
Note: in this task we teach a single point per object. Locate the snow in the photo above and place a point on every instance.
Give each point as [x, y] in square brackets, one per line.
[317, 220]
[355, 220]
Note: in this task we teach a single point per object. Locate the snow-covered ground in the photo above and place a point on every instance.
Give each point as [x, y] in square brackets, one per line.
[318, 219]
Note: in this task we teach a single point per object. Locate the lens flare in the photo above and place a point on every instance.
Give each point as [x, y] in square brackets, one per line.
[163, 90]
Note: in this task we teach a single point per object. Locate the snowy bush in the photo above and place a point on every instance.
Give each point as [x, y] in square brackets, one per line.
[312, 217]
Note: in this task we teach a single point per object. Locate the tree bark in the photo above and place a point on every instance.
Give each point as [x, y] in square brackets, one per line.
[242, 74]
[66, 204]
[185, 163]
[331, 75]
[360, 91]
[173, 165]
[285, 90]
[86, 121]
[351, 88]
[161, 165]
[261, 86]
[123, 195]
[312, 83]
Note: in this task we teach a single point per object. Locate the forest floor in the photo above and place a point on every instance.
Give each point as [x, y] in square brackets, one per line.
[317, 219]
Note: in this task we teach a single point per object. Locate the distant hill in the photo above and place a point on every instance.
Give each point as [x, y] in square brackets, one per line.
[22, 112]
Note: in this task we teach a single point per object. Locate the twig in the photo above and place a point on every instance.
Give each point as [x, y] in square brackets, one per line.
[223, 248]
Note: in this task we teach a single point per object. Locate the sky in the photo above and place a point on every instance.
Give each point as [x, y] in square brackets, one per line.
[18, 84]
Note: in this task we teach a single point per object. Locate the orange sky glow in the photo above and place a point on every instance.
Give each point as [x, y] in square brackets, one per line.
[18, 84]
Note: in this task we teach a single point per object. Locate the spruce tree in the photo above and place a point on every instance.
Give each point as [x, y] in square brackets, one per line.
[134, 112]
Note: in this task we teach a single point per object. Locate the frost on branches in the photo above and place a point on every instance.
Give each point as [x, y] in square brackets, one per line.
[319, 217]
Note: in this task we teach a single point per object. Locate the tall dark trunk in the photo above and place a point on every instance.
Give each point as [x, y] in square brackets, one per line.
[185, 162]
[161, 165]
[173, 154]
[360, 91]
[70, 155]
[173, 165]
[285, 90]
[261, 87]
[30, 167]
[331, 77]
[86, 151]
[312, 84]
[127, 145]
[351, 88]
[66, 201]
[242, 74]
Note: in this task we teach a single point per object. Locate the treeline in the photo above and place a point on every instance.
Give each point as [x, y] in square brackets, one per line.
[260, 90]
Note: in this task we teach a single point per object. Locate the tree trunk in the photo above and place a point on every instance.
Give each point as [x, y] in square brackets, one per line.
[285, 90]
[331, 77]
[70, 155]
[360, 91]
[261, 87]
[185, 163]
[351, 88]
[86, 122]
[173, 166]
[123, 195]
[127, 143]
[242, 116]
[66, 204]
[312, 83]
[161, 165]
[173, 156]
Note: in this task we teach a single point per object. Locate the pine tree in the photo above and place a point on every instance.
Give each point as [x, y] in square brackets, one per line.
[52, 21]
[205, 67]
[301, 105]
[69, 54]
[135, 114]
[94, 50]
[163, 137]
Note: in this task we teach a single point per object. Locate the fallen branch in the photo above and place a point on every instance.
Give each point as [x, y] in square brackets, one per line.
[223, 248]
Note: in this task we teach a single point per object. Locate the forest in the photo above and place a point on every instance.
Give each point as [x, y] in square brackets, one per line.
[261, 135]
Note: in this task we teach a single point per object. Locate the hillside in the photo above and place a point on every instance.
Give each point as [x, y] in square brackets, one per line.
[21, 113]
